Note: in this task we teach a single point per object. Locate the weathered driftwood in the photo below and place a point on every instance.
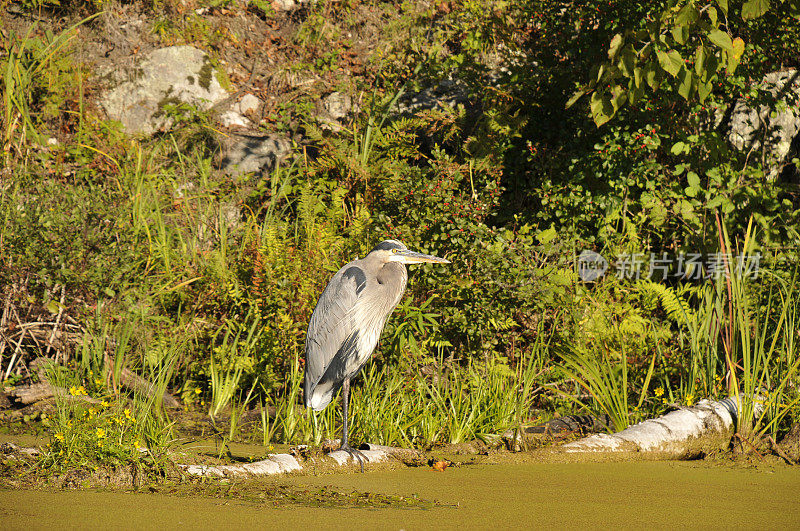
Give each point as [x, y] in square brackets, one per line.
[281, 463]
[274, 464]
[30, 394]
[9, 448]
[685, 433]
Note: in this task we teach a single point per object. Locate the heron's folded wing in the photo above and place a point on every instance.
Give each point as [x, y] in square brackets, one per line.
[332, 333]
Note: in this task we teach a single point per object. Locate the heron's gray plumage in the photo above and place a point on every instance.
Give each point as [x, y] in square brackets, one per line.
[347, 322]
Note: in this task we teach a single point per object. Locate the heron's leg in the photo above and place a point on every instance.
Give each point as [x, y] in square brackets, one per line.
[345, 445]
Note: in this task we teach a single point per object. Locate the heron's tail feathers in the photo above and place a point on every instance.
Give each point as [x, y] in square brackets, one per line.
[320, 396]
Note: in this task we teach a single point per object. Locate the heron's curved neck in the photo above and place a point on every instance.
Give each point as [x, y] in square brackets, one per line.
[393, 277]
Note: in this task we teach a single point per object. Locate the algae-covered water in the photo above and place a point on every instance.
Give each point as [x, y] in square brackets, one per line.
[518, 495]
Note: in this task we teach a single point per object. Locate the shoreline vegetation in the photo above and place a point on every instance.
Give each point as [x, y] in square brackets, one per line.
[622, 245]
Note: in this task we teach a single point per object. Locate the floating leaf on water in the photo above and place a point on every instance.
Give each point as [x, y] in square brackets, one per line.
[440, 465]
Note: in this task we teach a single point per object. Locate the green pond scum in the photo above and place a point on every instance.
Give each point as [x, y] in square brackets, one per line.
[641, 494]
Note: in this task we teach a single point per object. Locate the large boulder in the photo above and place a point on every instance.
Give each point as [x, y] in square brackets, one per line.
[768, 124]
[178, 74]
[257, 154]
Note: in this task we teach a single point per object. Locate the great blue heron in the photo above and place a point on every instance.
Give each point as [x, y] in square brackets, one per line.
[349, 319]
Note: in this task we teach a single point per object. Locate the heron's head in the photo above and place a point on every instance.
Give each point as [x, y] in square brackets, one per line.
[395, 251]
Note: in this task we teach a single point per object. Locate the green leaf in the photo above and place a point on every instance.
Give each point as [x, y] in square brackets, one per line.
[794, 8]
[723, 5]
[670, 61]
[619, 97]
[546, 236]
[613, 48]
[635, 94]
[627, 61]
[711, 66]
[677, 149]
[703, 90]
[754, 9]
[699, 59]
[688, 15]
[736, 55]
[712, 16]
[685, 83]
[601, 108]
[637, 77]
[652, 76]
[575, 97]
[52, 307]
[680, 34]
[600, 72]
[717, 201]
[693, 179]
[738, 47]
[721, 39]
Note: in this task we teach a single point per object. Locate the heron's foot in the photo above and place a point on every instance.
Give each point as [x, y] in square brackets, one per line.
[355, 454]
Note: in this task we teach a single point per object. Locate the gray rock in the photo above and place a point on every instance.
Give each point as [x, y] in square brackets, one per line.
[449, 92]
[769, 129]
[288, 5]
[178, 74]
[233, 119]
[248, 104]
[254, 154]
[338, 105]
[333, 108]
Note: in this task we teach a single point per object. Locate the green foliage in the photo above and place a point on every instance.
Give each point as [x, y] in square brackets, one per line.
[686, 46]
[204, 283]
[37, 77]
[87, 431]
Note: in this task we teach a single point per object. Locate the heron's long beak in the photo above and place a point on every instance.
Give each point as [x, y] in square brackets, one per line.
[411, 257]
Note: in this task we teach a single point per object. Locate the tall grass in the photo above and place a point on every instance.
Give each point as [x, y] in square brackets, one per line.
[740, 336]
[408, 408]
[758, 341]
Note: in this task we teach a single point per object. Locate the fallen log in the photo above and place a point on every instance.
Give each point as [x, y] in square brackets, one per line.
[29, 394]
[281, 463]
[274, 464]
[683, 434]
[33, 393]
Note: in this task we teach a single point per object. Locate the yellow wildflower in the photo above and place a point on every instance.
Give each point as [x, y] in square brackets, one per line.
[197, 391]
[104, 403]
[98, 382]
[77, 391]
[689, 399]
[101, 433]
[659, 391]
[59, 436]
[129, 416]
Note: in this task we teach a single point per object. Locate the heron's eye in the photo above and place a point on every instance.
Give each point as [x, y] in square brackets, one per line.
[394, 251]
